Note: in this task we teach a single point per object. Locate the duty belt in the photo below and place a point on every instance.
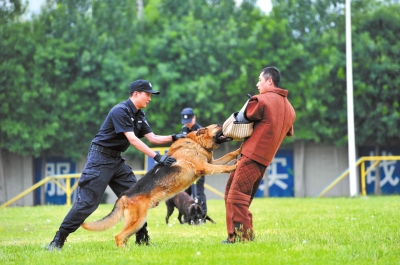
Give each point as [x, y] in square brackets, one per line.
[104, 150]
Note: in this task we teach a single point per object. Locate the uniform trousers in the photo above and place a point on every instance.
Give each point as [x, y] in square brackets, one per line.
[100, 170]
[240, 189]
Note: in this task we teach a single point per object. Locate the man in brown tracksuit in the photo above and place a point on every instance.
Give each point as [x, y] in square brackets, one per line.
[273, 118]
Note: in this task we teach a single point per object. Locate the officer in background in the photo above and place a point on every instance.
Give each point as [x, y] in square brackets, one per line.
[123, 126]
[197, 188]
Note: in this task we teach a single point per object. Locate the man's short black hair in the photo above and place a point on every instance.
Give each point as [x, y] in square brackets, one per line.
[273, 73]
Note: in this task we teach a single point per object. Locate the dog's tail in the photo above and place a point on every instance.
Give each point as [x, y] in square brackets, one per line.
[108, 221]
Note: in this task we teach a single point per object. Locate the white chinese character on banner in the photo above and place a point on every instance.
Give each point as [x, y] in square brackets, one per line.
[274, 177]
[55, 169]
[388, 169]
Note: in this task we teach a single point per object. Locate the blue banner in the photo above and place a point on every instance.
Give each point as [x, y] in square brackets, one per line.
[54, 166]
[389, 170]
[280, 181]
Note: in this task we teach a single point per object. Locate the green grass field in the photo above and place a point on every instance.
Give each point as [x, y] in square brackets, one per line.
[363, 230]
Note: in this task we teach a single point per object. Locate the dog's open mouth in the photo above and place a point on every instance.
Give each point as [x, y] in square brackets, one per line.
[221, 138]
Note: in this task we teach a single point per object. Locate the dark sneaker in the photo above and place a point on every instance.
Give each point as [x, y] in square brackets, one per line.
[228, 241]
[235, 238]
[57, 243]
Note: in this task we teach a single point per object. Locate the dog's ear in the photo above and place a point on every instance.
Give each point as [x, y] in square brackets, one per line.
[201, 131]
[191, 208]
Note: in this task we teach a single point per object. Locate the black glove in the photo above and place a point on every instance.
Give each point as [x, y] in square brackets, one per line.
[178, 136]
[164, 159]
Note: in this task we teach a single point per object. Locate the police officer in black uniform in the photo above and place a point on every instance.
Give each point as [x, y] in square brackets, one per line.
[123, 126]
[190, 125]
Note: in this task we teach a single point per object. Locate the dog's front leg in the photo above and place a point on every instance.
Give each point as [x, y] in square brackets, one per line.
[170, 210]
[168, 214]
[227, 158]
[210, 169]
[180, 218]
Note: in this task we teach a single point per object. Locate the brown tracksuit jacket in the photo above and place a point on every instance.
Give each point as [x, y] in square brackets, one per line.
[273, 118]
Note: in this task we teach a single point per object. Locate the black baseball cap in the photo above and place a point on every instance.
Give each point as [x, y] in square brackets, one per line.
[142, 85]
[187, 115]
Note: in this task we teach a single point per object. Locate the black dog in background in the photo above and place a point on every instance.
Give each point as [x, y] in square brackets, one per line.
[188, 207]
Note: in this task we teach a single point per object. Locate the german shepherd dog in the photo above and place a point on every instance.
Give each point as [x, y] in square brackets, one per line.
[189, 208]
[194, 158]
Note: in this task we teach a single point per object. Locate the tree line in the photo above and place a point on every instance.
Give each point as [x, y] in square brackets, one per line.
[63, 69]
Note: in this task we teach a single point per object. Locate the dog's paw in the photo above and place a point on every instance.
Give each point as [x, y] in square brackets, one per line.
[236, 163]
[233, 167]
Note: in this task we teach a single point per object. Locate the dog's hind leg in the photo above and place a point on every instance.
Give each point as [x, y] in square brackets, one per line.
[135, 215]
[129, 229]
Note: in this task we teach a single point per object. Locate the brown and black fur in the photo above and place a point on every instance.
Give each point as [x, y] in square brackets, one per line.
[194, 155]
[188, 207]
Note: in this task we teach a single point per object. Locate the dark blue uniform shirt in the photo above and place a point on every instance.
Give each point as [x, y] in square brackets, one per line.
[195, 127]
[124, 117]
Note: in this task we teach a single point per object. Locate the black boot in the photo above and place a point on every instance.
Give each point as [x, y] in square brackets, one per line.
[142, 236]
[58, 242]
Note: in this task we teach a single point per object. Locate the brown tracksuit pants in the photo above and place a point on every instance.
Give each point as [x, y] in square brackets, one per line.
[240, 189]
